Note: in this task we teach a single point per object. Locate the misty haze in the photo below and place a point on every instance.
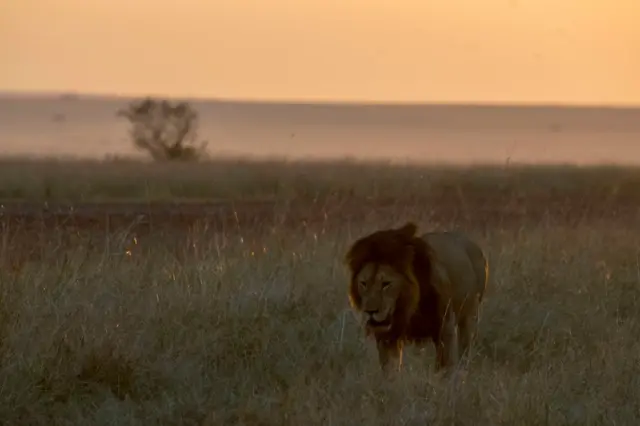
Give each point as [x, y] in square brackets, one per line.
[87, 127]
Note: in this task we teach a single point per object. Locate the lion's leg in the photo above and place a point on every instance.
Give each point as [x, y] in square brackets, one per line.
[447, 343]
[467, 328]
[390, 354]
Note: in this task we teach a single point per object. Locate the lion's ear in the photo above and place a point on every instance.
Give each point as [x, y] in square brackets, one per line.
[408, 230]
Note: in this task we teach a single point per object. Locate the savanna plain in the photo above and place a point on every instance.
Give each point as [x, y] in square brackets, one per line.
[216, 294]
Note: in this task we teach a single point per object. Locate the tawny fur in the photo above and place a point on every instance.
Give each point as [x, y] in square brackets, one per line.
[430, 285]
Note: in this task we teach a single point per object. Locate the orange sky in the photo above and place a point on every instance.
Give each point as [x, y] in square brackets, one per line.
[559, 51]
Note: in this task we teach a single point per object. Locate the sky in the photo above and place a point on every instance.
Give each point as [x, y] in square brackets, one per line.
[479, 51]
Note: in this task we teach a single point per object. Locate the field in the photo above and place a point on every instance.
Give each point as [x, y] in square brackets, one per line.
[215, 294]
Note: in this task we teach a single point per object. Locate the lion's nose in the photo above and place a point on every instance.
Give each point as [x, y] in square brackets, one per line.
[371, 312]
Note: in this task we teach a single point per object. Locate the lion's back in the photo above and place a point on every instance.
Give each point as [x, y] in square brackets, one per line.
[463, 261]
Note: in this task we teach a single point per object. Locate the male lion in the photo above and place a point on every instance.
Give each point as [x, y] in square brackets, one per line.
[412, 289]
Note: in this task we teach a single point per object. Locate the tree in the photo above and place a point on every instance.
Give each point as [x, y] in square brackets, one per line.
[167, 132]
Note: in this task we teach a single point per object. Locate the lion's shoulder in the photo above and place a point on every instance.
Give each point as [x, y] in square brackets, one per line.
[458, 264]
[452, 247]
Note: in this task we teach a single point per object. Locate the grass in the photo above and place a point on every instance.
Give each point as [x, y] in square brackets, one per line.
[114, 181]
[252, 326]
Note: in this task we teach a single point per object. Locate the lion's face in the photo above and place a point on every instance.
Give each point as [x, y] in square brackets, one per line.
[379, 287]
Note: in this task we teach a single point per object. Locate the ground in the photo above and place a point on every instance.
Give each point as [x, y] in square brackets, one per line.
[216, 294]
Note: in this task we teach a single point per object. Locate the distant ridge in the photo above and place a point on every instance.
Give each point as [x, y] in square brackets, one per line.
[8, 95]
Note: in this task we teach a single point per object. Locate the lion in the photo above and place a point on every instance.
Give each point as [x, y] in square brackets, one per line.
[418, 289]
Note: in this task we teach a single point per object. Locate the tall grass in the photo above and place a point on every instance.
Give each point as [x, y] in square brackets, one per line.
[237, 180]
[240, 327]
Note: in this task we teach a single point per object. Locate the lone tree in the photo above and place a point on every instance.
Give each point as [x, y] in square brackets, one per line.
[167, 132]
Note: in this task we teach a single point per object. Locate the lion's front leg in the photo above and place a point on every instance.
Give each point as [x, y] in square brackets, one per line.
[447, 343]
[390, 354]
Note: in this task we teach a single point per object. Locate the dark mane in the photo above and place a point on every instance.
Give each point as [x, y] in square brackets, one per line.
[398, 247]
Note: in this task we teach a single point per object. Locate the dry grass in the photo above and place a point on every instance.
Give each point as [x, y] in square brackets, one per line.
[246, 326]
[83, 181]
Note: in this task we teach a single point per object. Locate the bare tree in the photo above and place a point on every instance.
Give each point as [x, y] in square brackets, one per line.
[167, 132]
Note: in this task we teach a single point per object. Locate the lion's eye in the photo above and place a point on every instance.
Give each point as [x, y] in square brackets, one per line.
[363, 284]
[386, 284]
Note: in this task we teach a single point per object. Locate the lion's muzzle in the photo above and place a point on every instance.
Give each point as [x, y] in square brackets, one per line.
[378, 321]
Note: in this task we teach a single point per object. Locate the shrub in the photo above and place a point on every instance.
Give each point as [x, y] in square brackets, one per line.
[164, 130]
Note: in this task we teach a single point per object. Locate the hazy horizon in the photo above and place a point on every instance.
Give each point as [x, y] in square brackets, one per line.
[62, 95]
[462, 134]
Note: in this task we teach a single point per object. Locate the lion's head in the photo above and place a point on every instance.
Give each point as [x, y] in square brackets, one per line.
[383, 285]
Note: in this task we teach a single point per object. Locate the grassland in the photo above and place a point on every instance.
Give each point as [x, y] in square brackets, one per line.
[144, 305]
